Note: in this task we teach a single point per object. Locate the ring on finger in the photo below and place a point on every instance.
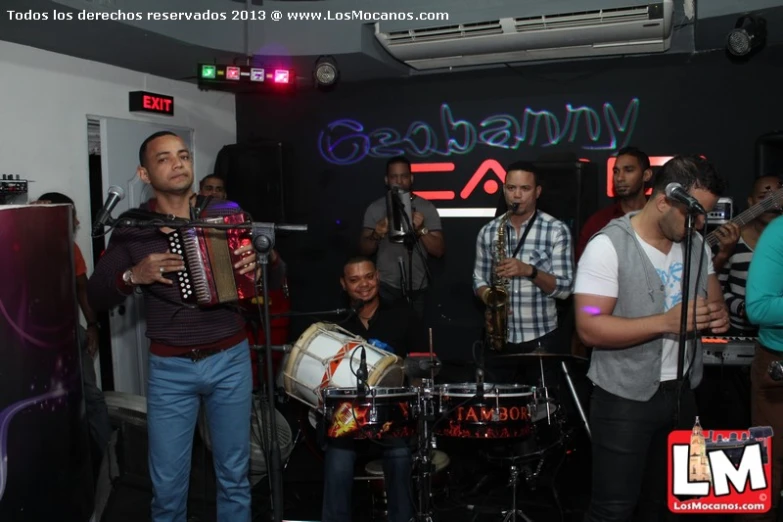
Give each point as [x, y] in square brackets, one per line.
[161, 269]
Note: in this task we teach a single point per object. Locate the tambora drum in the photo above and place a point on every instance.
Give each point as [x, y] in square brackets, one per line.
[502, 413]
[381, 413]
[329, 356]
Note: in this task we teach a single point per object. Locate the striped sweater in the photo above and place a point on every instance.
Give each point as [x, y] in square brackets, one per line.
[172, 328]
[733, 278]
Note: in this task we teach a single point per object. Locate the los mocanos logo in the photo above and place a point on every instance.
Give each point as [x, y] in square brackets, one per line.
[720, 471]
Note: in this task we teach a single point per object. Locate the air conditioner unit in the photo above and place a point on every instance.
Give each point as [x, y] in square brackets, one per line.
[643, 28]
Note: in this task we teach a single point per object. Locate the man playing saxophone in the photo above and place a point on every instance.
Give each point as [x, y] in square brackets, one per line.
[524, 261]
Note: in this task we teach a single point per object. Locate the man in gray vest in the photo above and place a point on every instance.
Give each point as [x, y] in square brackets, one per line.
[403, 272]
[628, 298]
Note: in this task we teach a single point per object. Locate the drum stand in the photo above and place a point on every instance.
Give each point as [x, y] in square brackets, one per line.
[425, 468]
[511, 514]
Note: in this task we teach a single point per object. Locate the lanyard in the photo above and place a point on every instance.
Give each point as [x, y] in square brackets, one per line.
[524, 234]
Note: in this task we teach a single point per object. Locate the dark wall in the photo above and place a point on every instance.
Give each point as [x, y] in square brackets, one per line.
[338, 144]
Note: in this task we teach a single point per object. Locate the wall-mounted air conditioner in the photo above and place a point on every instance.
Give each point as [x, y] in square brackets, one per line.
[643, 28]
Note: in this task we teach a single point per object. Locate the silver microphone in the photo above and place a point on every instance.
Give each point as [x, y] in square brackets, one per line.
[676, 192]
[116, 194]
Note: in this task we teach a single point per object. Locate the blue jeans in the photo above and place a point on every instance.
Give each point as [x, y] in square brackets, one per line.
[338, 481]
[177, 386]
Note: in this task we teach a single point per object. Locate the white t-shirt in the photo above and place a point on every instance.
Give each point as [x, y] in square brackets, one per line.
[597, 274]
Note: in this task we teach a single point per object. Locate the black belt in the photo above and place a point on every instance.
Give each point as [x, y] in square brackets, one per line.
[197, 355]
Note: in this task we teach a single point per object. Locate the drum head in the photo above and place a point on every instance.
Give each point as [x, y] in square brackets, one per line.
[289, 368]
[389, 373]
[469, 389]
[377, 392]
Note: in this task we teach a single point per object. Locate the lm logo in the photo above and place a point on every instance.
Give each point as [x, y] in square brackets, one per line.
[720, 471]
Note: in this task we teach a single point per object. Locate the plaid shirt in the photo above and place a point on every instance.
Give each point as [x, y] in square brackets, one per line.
[532, 313]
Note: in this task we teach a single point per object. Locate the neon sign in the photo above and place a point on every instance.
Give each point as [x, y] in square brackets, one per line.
[347, 142]
[491, 185]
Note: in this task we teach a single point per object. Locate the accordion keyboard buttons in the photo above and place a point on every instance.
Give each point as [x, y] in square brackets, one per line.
[175, 247]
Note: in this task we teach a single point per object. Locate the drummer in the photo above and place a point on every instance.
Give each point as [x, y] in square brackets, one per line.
[389, 327]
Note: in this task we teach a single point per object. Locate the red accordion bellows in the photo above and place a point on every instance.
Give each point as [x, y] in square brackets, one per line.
[209, 277]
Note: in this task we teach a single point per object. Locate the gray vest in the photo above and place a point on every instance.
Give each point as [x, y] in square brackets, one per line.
[634, 373]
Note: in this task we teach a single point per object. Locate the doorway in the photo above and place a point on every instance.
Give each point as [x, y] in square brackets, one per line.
[113, 157]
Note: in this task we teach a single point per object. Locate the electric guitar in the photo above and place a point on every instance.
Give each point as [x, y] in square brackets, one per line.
[773, 201]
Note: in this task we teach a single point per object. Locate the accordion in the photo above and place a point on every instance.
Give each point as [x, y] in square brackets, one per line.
[209, 277]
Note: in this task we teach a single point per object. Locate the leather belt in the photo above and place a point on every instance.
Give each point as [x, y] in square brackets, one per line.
[198, 355]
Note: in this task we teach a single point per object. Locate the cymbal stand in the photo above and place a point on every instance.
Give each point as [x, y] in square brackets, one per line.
[575, 396]
[425, 467]
[546, 391]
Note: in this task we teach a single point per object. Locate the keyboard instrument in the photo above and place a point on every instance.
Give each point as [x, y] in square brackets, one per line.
[729, 351]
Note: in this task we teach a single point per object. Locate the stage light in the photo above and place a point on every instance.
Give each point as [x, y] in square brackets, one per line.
[326, 72]
[232, 73]
[282, 76]
[208, 71]
[748, 35]
[256, 75]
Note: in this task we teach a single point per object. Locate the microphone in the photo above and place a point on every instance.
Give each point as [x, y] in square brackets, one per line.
[361, 376]
[356, 307]
[116, 194]
[676, 192]
[479, 383]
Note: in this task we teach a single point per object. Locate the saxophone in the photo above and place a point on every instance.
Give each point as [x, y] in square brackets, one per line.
[497, 297]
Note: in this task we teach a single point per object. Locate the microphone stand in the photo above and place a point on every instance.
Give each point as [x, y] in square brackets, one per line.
[263, 243]
[263, 235]
[410, 241]
[686, 283]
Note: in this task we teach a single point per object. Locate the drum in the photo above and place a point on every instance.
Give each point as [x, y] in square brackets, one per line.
[382, 413]
[328, 356]
[503, 413]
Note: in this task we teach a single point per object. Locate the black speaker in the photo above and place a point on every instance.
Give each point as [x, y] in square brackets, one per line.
[769, 154]
[569, 192]
[254, 178]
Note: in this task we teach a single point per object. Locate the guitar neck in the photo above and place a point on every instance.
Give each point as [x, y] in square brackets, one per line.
[749, 215]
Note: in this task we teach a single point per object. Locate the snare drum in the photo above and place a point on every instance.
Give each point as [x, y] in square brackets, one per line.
[328, 356]
[383, 413]
[503, 413]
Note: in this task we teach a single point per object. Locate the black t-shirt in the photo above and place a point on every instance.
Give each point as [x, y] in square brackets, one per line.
[394, 325]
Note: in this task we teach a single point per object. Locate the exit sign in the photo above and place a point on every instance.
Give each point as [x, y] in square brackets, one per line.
[141, 101]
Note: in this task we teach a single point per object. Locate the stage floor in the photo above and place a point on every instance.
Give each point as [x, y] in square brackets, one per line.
[470, 488]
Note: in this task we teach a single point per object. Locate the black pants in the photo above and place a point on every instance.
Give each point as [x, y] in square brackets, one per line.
[629, 441]
[394, 295]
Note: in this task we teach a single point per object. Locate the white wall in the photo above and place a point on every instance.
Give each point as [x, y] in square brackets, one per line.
[45, 98]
